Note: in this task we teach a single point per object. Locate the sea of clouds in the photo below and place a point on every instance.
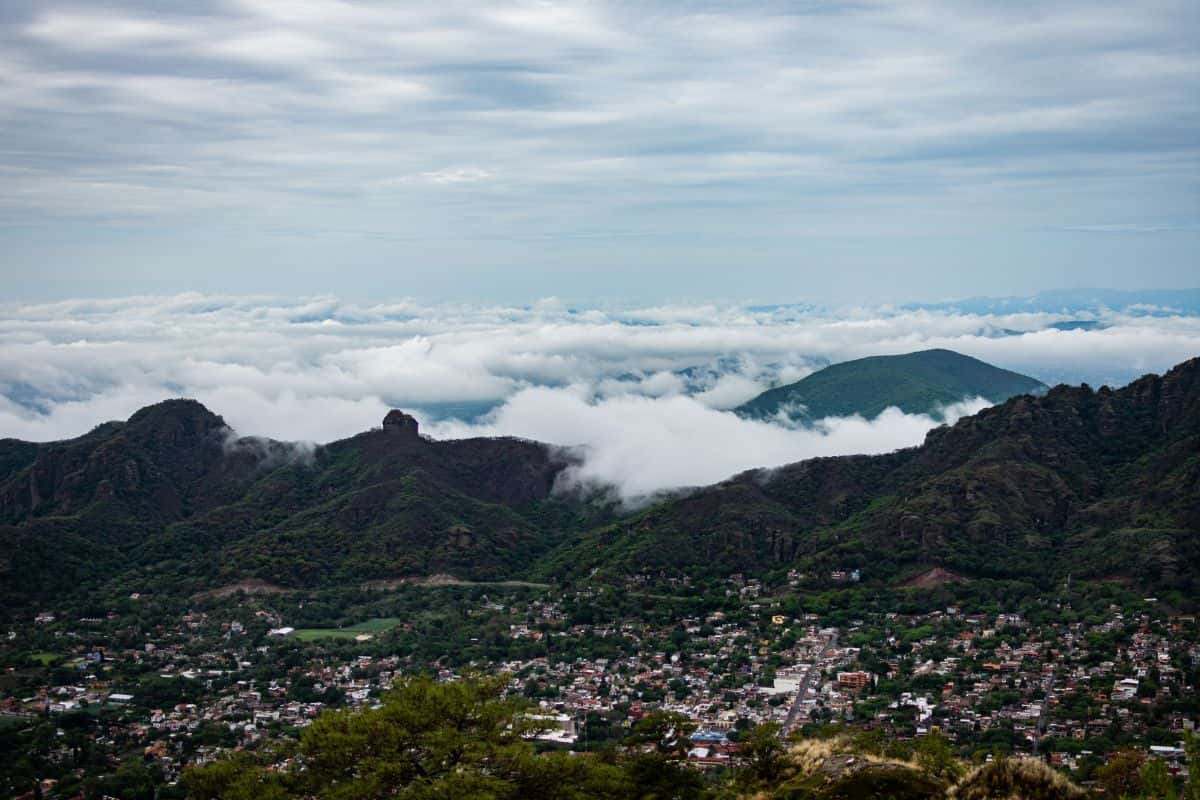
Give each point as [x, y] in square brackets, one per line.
[645, 391]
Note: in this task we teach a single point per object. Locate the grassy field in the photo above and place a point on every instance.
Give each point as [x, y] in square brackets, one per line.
[376, 625]
[44, 657]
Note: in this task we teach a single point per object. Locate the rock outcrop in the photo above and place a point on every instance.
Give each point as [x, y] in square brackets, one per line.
[397, 421]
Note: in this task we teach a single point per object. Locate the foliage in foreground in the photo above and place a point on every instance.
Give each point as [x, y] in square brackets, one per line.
[467, 741]
[430, 740]
[1019, 779]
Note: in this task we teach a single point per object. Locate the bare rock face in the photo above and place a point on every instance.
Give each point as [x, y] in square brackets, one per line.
[397, 421]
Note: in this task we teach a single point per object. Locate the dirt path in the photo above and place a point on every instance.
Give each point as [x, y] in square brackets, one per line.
[445, 580]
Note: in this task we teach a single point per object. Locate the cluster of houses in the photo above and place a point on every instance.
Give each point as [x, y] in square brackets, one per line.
[961, 674]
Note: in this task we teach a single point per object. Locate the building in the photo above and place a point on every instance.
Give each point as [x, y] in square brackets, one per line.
[853, 681]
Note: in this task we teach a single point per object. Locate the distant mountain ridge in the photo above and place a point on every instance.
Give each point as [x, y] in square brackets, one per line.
[1099, 484]
[916, 383]
[1054, 301]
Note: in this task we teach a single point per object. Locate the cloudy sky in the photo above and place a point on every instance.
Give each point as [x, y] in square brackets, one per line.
[856, 152]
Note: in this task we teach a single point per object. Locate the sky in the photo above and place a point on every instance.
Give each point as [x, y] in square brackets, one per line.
[645, 394]
[493, 153]
[573, 222]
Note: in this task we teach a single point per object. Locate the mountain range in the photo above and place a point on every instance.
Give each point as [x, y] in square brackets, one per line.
[1098, 484]
[1055, 301]
[916, 383]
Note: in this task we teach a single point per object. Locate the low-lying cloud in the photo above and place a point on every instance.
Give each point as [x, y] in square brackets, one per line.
[641, 445]
[268, 454]
[647, 391]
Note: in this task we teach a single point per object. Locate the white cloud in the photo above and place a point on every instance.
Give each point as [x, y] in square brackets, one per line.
[529, 94]
[730, 391]
[69, 418]
[641, 445]
[645, 389]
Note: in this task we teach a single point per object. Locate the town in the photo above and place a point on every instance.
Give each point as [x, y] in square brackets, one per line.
[131, 695]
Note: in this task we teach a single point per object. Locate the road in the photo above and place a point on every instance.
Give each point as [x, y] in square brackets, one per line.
[1048, 687]
[1040, 728]
[809, 676]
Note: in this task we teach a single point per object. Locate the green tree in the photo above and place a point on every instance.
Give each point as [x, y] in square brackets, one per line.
[762, 755]
[133, 780]
[1156, 781]
[1191, 744]
[427, 741]
[437, 740]
[666, 732]
[659, 743]
[238, 777]
[937, 758]
[1121, 776]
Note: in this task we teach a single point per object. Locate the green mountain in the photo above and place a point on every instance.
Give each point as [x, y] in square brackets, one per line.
[916, 383]
[1098, 484]
[173, 498]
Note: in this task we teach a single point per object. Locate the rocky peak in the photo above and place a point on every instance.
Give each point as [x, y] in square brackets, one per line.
[173, 422]
[399, 422]
[151, 461]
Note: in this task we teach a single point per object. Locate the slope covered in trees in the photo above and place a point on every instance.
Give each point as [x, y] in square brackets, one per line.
[173, 500]
[916, 383]
[1099, 484]
[1096, 484]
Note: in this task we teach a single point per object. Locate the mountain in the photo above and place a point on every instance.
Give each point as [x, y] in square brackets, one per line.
[1097, 484]
[1154, 302]
[172, 496]
[916, 383]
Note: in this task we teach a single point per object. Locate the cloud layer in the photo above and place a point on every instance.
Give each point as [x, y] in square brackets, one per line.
[640, 445]
[646, 389]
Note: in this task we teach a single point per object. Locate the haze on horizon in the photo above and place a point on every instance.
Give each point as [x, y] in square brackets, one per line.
[854, 153]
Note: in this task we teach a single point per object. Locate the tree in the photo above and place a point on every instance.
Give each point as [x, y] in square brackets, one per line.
[1156, 781]
[654, 776]
[1192, 745]
[937, 758]
[426, 741]
[437, 739]
[660, 741]
[1121, 776]
[667, 732]
[762, 754]
[238, 777]
[132, 780]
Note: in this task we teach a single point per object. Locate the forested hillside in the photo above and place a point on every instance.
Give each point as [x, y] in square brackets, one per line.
[173, 500]
[915, 383]
[1098, 484]
[1101, 484]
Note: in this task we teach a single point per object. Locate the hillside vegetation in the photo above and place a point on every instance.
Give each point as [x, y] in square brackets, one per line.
[1095, 484]
[916, 383]
[172, 500]
[468, 740]
[1100, 484]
